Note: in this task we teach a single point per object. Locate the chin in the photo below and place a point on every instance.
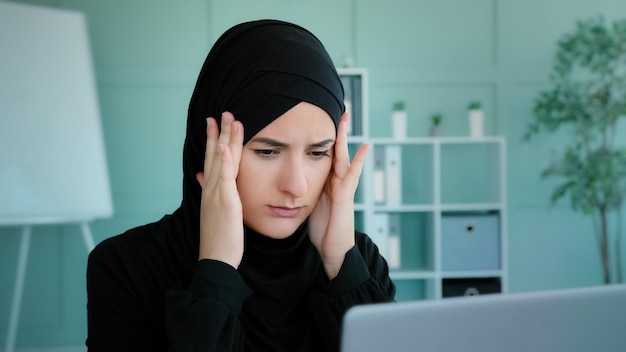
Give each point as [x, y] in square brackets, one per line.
[277, 229]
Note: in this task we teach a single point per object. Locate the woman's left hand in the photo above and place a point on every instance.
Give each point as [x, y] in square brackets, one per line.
[331, 224]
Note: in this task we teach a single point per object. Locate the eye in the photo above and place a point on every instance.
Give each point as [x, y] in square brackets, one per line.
[266, 153]
[320, 153]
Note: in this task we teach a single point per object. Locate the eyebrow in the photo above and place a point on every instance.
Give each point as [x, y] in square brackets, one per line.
[274, 143]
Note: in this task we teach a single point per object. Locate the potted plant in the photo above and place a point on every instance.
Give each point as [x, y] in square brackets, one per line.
[588, 99]
[435, 126]
[398, 120]
[476, 118]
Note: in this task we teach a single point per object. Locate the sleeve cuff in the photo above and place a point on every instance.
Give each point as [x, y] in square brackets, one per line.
[352, 274]
[221, 281]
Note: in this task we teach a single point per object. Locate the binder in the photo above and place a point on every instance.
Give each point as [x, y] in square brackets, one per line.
[393, 173]
[394, 241]
[379, 175]
[353, 98]
[381, 233]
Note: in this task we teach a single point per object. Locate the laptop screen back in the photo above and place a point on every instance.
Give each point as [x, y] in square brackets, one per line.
[572, 320]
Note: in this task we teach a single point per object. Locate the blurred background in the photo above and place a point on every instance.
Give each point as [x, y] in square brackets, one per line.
[436, 56]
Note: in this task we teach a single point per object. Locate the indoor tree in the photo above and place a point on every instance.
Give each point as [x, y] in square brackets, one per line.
[587, 100]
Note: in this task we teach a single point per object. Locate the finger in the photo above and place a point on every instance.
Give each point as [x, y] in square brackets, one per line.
[354, 172]
[236, 141]
[342, 156]
[211, 144]
[223, 138]
[226, 127]
[227, 175]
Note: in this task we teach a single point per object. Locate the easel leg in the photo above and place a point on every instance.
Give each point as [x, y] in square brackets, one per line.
[87, 236]
[18, 289]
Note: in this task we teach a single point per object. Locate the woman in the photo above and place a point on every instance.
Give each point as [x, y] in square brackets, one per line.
[262, 254]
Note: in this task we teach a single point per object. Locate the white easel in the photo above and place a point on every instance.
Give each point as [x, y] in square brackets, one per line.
[20, 276]
[56, 171]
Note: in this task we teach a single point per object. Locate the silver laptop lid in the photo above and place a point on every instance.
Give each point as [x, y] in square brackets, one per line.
[569, 320]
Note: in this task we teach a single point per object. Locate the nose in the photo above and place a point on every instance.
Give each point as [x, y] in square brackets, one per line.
[293, 178]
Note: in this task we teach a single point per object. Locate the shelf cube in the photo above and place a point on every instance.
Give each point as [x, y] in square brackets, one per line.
[470, 242]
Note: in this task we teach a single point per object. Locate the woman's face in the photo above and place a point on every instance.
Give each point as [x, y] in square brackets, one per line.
[284, 168]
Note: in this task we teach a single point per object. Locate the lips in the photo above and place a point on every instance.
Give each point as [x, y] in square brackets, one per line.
[285, 212]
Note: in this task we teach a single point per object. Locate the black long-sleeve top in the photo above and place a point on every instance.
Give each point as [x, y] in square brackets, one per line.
[148, 292]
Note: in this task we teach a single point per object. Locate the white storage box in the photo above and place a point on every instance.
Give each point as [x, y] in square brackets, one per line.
[470, 242]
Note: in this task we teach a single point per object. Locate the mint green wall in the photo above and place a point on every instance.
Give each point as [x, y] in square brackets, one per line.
[435, 55]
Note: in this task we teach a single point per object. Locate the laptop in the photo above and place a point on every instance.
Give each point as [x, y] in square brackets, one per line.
[569, 320]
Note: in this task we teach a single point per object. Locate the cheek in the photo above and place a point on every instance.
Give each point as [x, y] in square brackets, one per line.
[250, 181]
[318, 174]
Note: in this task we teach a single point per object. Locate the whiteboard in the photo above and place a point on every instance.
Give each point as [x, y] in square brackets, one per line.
[52, 159]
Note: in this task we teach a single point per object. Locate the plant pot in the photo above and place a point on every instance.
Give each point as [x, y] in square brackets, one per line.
[398, 124]
[435, 131]
[476, 123]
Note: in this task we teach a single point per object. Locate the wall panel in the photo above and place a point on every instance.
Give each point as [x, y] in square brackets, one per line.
[424, 33]
[435, 55]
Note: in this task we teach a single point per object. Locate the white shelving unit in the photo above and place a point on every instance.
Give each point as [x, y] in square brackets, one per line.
[441, 177]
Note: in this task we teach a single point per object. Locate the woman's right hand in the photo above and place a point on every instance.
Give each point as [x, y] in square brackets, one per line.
[221, 217]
